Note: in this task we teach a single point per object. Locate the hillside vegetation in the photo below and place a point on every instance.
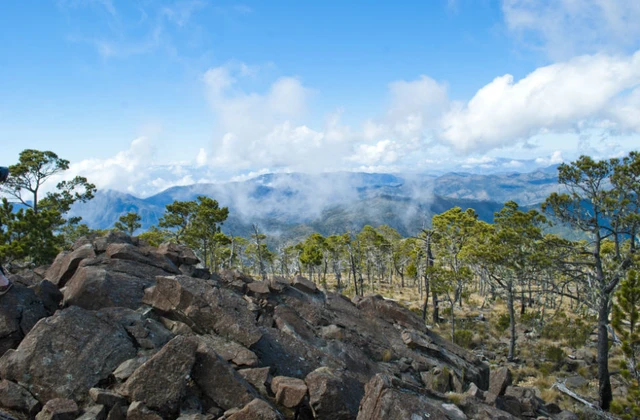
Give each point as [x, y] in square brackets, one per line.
[489, 277]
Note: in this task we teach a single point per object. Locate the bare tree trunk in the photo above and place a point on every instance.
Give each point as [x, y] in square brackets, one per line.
[512, 323]
[604, 380]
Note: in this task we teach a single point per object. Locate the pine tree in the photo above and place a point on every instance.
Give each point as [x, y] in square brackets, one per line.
[626, 321]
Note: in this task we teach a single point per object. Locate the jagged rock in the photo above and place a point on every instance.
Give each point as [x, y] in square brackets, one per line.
[160, 382]
[147, 333]
[566, 415]
[103, 283]
[15, 397]
[416, 340]
[256, 410]
[118, 412]
[138, 411]
[474, 410]
[288, 321]
[526, 402]
[20, 309]
[259, 378]
[133, 253]
[126, 368]
[191, 271]
[106, 397]
[58, 409]
[576, 381]
[49, 295]
[66, 263]
[95, 412]
[500, 379]
[178, 254]
[387, 398]
[218, 381]
[101, 243]
[453, 412]
[289, 392]
[176, 327]
[475, 392]
[437, 379]
[332, 395]
[65, 355]
[390, 311]
[258, 288]
[303, 284]
[202, 305]
[231, 351]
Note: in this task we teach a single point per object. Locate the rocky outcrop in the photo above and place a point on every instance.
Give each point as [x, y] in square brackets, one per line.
[142, 333]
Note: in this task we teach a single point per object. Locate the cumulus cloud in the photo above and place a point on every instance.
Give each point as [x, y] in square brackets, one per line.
[565, 28]
[556, 97]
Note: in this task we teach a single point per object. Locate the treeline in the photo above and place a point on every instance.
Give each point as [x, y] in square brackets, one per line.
[458, 254]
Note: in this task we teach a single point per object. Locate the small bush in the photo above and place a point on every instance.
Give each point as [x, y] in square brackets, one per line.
[463, 338]
[387, 355]
[503, 322]
[546, 368]
[555, 355]
[530, 319]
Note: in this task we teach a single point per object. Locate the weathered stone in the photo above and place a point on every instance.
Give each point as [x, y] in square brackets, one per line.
[133, 253]
[416, 340]
[199, 303]
[178, 254]
[231, 351]
[332, 395]
[126, 368]
[219, 381]
[20, 309]
[453, 412]
[288, 321]
[106, 397]
[575, 381]
[49, 295]
[58, 409]
[96, 287]
[258, 288]
[390, 311]
[160, 381]
[256, 410]
[475, 392]
[138, 411]
[65, 355]
[390, 399]
[259, 378]
[197, 272]
[527, 398]
[303, 284]
[289, 392]
[95, 412]
[500, 379]
[15, 397]
[118, 412]
[65, 264]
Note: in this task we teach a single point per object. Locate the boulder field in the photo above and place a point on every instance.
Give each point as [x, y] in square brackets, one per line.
[117, 329]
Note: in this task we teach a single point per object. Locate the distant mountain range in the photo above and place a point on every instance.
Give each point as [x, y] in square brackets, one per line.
[289, 206]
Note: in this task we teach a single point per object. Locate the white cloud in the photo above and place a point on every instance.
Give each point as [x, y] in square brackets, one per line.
[201, 159]
[553, 98]
[564, 28]
[554, 159]
[383, 152]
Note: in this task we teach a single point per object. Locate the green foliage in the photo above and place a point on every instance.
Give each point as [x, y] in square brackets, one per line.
[626, 321]
[463, 338]
[154, 236]
[503, 322]
[555, 355]
[35, 233]
[128, 223]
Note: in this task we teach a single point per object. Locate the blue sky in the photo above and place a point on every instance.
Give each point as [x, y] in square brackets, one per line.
[141, 95]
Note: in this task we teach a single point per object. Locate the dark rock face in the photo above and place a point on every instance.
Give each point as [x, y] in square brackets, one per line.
[67, 354]
[387, 398]
[144, 334]
[161, 381]
[20, 309]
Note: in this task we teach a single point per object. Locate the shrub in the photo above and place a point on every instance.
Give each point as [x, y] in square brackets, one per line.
[555, 355]
[503, 322]
[463, 338]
